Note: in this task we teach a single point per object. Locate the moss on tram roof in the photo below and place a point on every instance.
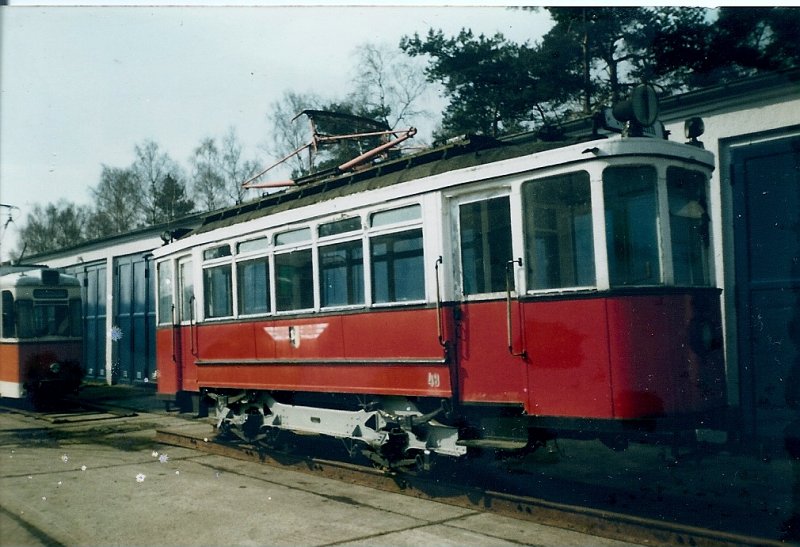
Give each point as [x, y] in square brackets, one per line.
[470, 152]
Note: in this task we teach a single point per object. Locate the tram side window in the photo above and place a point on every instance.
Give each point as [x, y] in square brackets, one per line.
[294, 283]
[397, 267]
[689, 226]
[186, 290]
[341, 274]
[558, 229]
[8, 315]
[165, 292]
[485, 229]
[253, 284]
[218, 291]
[76, 317]
[631, 225]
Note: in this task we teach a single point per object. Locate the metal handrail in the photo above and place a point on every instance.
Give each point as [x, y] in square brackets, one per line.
[509, 326]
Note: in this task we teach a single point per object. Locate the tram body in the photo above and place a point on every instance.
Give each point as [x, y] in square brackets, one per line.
[41, 334]
[493, 295]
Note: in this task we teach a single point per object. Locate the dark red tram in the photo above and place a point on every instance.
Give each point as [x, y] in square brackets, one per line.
[478, 294]
[41, 342]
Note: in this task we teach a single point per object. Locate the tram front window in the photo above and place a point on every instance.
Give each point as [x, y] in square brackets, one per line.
[35, 320]
[689, 227]
[629, 194]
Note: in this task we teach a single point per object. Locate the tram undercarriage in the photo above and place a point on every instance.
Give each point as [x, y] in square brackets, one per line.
[390, 431]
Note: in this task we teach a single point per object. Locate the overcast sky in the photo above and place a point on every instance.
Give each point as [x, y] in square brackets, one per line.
[80, 86]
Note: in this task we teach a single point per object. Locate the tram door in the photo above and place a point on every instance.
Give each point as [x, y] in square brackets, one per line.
[185, 333]
[766, 192]
[482, 242]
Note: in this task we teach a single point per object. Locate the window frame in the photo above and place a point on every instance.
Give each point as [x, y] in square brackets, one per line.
[404, 225]
[243, 257]
[283, 249]
[595, 240]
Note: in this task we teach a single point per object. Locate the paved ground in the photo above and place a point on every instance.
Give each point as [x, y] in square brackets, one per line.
[747, 492]
[99, 479]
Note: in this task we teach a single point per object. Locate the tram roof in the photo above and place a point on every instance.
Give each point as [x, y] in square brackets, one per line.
[34, 277]
[465, 152]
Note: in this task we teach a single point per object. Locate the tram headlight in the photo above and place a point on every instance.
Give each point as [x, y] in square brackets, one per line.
[693, 128]
[55, 368]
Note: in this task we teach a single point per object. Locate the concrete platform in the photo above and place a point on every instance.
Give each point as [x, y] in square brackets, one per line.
[106, 482]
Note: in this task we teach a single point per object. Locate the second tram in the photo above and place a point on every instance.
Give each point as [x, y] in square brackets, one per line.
[40, 334]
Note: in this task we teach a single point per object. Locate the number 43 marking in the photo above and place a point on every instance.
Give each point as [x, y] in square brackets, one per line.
[434, 380]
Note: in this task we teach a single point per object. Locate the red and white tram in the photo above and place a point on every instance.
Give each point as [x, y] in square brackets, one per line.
[471, 295]
[40, 335]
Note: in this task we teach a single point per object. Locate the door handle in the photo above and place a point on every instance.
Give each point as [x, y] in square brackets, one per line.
[509, 324]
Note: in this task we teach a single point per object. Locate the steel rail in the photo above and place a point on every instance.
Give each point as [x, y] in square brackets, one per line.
[587, 520]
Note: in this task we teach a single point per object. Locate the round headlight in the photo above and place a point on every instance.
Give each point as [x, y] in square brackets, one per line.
[55, 368]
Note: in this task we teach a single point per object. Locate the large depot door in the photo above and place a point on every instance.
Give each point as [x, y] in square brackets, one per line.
[766, 190]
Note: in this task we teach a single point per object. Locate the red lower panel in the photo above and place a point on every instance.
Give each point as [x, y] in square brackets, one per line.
[606, 357]
[568, 361]
[666, 354]
[17, 358]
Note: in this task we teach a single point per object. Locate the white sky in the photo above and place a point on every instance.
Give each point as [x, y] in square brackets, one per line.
[81, 85]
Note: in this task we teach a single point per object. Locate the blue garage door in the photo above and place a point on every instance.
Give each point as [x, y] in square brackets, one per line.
[766, 180]
[134, 320]
[93, 279]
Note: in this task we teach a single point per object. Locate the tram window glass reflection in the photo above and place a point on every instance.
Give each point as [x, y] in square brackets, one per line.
[186, 290]
[631, 225]
[76, 317]
[339, 227]
[252, 245]
[397, 267]
[8, 315]
[165, 292]
[294, 283]
[217, 252]
[341, 274]
[43, 319]
[689, 226]
[395, 216]
[558, 229]
[293, 236]
[218, 291]
[485, 233]
[25, 322]
[253, 284]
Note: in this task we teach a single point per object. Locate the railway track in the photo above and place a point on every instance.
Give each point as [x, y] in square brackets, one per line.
[603, 523]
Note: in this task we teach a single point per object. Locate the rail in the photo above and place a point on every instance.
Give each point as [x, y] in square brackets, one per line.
[597, 522]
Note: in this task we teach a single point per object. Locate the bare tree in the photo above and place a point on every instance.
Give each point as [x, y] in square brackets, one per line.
[288, 134]
[52, 227]
[389, 84]
[209, 181]
[235, 170]
[118, 202]
[150, 169]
